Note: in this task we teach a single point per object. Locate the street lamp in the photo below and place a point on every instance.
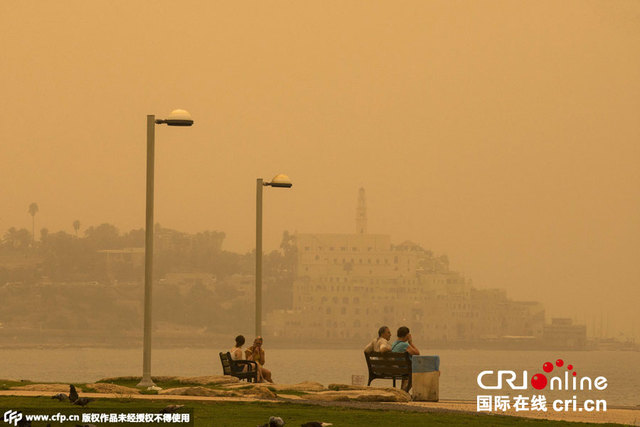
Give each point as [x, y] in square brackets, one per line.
[281, 181]
[176, 118]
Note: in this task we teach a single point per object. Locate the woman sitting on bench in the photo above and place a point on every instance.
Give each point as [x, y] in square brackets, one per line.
[256, 353]
[237, 353]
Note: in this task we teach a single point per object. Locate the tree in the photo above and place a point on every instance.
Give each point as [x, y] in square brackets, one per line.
[44, 233]
[76, 226]
[17, 239]
[33, 210]
[104, 236]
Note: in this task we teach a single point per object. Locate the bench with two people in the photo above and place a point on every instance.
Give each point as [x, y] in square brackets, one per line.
[391, 361]
[248, 364]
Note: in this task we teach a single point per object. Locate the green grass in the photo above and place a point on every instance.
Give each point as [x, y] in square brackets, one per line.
[237, 414]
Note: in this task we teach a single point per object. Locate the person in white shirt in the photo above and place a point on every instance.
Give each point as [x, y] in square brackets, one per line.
[380, 344]
[236, 352]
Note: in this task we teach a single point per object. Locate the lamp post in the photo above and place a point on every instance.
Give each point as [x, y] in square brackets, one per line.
[176, 118]
[281, 181]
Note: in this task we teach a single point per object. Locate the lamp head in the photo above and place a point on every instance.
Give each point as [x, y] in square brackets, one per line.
[178, 118]
[281, 180]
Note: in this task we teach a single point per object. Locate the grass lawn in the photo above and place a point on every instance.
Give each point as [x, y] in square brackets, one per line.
[240, 414]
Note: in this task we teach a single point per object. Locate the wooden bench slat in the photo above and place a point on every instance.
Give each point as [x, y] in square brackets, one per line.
[388, 366]
[391, 371]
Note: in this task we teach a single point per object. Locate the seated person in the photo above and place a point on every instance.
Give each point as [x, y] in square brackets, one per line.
[404, 344]
[256, 353]
[380, 344]
[237, 353]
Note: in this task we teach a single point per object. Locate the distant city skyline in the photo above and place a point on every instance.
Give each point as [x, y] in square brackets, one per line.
[502, 134]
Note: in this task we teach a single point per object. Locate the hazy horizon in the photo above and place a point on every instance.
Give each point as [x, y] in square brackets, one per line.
[502, 134]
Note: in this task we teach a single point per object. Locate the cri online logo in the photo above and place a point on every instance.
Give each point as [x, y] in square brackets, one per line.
[540, 381]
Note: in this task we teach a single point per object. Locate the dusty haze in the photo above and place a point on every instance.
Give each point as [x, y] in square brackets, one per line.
[504, 134]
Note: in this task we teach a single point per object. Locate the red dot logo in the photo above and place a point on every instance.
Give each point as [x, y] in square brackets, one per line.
[570, 367]
[574, 374]
[539, 381]
[547, 367]
[559, 363]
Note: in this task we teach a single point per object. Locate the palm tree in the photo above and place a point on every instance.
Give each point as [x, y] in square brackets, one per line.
[76, 226]
[33, 210]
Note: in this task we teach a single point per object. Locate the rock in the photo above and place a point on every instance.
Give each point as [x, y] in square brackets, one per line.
[113, 388]
[257, 392]
[118, 379]
[208, 380]
[43, 387]
[371, 395]
[304, 386]
[339, 387]
[199, 391]
[402, 395]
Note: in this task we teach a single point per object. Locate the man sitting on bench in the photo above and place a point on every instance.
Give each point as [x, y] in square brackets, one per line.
[380, 344]
[404, 344]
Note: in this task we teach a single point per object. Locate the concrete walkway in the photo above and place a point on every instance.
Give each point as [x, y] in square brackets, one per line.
[626, 416]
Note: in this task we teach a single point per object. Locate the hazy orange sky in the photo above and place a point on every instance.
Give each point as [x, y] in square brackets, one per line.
[504, 134]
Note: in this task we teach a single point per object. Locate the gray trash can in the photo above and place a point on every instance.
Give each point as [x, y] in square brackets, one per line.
[425, 378]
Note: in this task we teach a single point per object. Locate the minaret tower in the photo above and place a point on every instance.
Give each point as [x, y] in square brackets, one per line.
[361, 213]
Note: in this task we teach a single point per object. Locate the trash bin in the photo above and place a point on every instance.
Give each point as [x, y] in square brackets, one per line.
[425, 378]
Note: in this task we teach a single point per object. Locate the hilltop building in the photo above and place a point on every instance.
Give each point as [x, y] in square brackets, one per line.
[347, 285]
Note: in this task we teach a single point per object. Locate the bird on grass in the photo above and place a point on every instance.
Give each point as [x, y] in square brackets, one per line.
[315, 424]
[82, 401]
[61, 397]
[170, 409]
[273, 422]
[73, 394]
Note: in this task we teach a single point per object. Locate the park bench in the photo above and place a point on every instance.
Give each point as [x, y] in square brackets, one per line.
[235, 368]
[389, 365]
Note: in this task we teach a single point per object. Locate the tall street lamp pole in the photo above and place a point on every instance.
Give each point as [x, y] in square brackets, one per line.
[281, 181]
[176, 118]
